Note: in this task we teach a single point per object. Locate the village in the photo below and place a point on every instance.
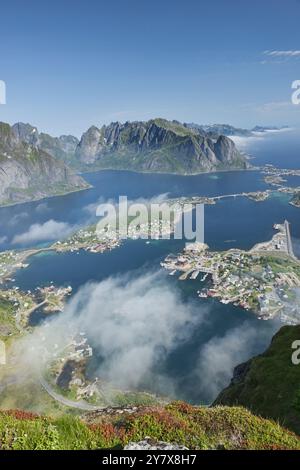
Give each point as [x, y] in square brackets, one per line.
[265, 280]
[50, 298]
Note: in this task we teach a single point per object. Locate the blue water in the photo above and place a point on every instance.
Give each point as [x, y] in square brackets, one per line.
[230, 223]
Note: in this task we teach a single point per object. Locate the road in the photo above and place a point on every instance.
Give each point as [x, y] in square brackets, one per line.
[81, 405]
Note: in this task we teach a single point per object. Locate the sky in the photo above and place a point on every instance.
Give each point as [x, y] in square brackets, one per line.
[70, 64]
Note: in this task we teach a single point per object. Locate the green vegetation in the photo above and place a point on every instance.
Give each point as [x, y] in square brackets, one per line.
[7, 320]
[270, 383]
[194, 427]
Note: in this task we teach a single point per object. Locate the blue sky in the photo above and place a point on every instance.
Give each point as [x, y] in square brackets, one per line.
[69, 64]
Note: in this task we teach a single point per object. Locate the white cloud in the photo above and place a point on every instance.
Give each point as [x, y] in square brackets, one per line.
[42, 208]
[135, 324]
[220, 355]
[243, 143]
[282, 53]
[132, 323]
[274, 106]
[50, 230]
[17, 218]
[3, 240]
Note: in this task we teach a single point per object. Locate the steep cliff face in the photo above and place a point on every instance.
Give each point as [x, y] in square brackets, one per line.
[62, 148]
[156, 145]
[27, 172]
[269, 384]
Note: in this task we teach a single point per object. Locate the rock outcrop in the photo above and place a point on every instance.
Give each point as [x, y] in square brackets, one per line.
[152, 444]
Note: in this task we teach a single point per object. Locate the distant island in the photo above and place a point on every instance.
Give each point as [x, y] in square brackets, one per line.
[226, 129]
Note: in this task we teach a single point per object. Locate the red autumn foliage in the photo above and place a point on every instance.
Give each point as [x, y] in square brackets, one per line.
[22, 415]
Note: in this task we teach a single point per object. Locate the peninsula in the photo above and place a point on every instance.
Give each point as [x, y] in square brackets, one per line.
[264, 279]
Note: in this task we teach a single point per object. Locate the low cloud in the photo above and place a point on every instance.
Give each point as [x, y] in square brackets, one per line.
[3, 240]
[274, 106]
[282, 53]
[134, 324]
[243, 142]
[17, 219]
[219, 356]
[42, 208]
[50, 230]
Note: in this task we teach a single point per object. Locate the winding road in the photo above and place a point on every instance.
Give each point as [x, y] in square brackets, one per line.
[81, 405]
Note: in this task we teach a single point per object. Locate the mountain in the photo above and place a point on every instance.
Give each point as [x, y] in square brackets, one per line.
[27, 172]
[62, 148]
[157, 145]
[269, 384]
[219, 428]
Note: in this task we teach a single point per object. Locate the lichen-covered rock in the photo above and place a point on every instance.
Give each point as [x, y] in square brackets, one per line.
[152, 444]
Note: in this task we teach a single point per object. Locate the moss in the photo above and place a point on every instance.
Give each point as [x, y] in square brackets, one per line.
[194, 427]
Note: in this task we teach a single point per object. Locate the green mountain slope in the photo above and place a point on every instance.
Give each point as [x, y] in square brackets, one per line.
[269, 384]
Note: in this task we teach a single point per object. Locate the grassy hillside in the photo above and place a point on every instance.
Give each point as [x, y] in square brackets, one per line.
[196, 428]
[270, 383]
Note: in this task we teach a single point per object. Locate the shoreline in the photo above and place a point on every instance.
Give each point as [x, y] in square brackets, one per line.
[11, 204]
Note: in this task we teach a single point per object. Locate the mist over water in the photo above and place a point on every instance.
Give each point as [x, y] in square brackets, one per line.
[138, 325]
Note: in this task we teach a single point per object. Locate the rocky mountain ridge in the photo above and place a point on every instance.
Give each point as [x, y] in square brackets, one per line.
[157, 145]
[29, 173]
